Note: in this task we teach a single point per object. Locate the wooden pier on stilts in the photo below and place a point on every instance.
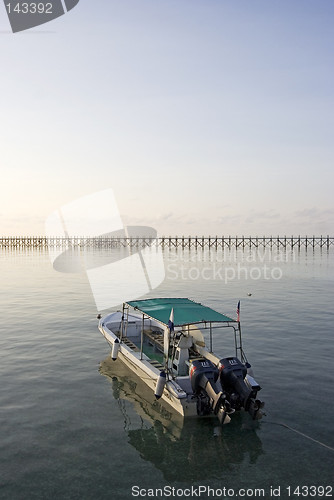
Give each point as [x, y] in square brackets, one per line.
[197, 242]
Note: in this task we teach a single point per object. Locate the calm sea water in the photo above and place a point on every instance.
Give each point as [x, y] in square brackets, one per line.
[75, 425]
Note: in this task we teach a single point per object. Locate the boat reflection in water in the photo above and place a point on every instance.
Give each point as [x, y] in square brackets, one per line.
[187, 449]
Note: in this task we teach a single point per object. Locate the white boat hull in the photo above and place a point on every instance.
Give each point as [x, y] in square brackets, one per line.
[140, 364]
[176, 365]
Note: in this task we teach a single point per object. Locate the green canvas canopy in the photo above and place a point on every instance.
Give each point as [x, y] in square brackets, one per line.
[186, 311]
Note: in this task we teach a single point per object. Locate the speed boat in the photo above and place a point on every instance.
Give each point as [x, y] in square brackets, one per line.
[168, 343]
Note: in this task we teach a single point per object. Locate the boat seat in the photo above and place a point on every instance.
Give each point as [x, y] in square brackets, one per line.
[156, 364]
[155, 337]
[130, 344]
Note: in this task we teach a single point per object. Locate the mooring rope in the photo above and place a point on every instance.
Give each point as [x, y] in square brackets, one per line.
[299, 432]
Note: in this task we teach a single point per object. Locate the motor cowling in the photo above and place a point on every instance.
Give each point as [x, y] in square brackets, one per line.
[241, 389]
[202, 372]
[203, 376]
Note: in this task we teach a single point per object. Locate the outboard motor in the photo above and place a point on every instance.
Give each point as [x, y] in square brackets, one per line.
[203, 376]
[240, 388]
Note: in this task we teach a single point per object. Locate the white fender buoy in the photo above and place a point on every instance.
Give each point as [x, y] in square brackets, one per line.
[115, 349]
[161, 382]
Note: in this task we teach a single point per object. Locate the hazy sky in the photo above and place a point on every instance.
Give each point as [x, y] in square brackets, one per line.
[204, 116]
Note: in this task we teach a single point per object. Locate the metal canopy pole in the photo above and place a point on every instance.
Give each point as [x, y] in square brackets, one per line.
[242, 354]
[210, 336]
[142, 339]
[122, 325]
[167, 338]
[127, 322]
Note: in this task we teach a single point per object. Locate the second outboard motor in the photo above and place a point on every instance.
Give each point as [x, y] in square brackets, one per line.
[241, 388]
